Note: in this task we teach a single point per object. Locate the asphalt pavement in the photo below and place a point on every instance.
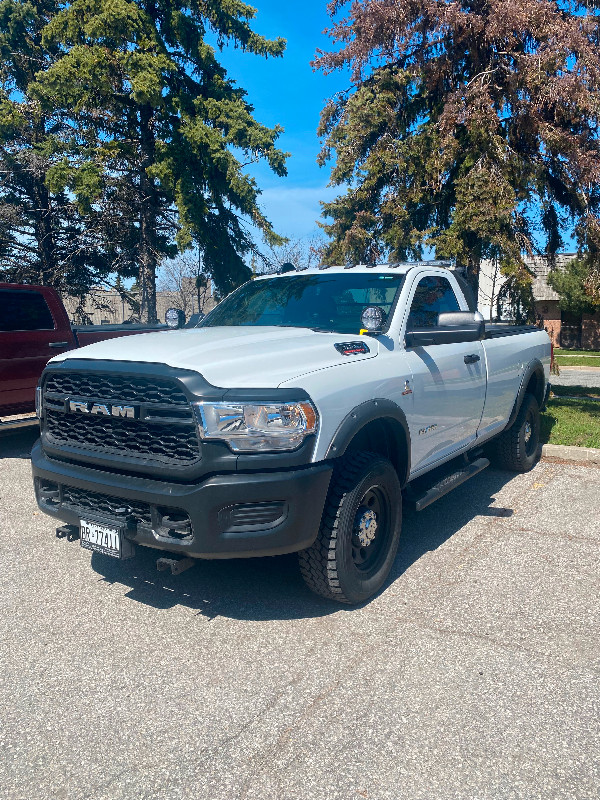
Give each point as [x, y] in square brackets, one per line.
[474, 675]
[576, 376]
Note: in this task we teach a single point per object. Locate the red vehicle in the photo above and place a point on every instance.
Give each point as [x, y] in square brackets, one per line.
[34, 326]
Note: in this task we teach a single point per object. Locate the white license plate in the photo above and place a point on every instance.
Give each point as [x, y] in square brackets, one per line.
[104, 539]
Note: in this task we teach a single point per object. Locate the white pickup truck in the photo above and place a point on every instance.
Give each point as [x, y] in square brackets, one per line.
[295, 417]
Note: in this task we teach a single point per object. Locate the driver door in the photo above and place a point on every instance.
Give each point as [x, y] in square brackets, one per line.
[449, 380]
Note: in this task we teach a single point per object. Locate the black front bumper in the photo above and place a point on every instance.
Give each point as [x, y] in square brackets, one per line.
[236, 515]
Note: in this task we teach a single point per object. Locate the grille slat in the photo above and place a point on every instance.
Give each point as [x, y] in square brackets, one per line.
[116, 387]
[171, 443]
[105, 504]
[167, 437]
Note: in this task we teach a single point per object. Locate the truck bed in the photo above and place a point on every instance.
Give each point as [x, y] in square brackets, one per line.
[495, 330]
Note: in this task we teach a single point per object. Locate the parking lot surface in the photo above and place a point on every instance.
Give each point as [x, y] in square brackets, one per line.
[574, 376]
[474, 674]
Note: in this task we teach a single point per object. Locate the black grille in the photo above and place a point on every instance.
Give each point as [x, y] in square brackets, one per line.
[163, 430]
[105, 504]
[115, 387]
[157, 441]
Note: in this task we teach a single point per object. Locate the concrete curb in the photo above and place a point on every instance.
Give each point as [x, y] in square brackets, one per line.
[589, 455]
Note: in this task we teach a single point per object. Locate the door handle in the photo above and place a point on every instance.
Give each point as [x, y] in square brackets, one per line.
[471, 359]
[58, 345]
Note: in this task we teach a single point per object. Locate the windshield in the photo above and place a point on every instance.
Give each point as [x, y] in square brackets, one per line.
[329, 302]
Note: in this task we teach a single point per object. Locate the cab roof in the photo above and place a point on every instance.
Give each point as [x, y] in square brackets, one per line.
[401, 267]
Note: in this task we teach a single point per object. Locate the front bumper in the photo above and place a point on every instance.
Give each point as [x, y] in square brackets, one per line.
[237, 515]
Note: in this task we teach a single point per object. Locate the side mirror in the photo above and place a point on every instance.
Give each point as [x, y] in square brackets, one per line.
[175, 318]
[452, 327]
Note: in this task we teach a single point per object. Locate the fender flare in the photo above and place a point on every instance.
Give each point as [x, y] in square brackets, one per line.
[361, 415]
[535, 367]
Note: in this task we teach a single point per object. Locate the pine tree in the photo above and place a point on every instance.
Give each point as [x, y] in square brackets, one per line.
[43, 237]
[470, 127]
[158, 126]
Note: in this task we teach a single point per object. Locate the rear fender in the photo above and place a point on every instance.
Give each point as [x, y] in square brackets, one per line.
[535, 369]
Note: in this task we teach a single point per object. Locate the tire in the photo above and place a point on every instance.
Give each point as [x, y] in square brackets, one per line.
[350, 560]
[516, 448]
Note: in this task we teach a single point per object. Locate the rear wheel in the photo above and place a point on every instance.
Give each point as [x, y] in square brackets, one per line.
[358, 538]
[516, 449]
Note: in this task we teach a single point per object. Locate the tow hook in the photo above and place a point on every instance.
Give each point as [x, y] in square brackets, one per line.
[176, 565]
[68, 532]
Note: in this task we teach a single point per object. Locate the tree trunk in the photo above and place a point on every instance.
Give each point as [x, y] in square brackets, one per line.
[148, 221]
[147, 273]
[49, 267]
[49, 271]
[472, 276]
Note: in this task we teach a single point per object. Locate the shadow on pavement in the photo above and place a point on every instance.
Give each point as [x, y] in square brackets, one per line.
[424, 531]
[18, 443]
[271, 588]
[249, 588]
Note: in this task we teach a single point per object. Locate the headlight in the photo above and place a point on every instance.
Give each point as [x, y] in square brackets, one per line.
[38, 402]
[257, 427]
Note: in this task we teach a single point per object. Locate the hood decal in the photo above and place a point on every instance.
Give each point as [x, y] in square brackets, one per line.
[352, 348]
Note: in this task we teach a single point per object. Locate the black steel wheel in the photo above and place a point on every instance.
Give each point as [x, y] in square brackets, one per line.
[371, 529]
[358, 538]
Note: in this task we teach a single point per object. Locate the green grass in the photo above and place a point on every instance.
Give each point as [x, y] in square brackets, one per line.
[571, 422]
[577, 358]
[561, 352]
[577, 361]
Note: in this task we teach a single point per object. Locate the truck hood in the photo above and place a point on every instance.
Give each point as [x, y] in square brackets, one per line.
[232, 357]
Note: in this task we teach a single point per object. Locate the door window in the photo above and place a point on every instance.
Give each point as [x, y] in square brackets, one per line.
[24, 311]
[433, 296]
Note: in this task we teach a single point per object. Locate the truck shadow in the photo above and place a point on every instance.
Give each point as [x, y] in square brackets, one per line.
[18, 443]
[271, 588]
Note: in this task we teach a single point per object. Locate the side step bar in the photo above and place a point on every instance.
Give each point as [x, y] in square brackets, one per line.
[448, 483]
[18, 421]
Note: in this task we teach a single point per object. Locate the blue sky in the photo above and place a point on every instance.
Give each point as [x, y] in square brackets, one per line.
[286, 91]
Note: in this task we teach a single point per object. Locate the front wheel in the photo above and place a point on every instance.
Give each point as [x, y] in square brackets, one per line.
[516, 449]
[360, 528]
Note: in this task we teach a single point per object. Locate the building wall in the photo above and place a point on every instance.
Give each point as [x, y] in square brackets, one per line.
[549, 312]
[590, 331]
[547, 306]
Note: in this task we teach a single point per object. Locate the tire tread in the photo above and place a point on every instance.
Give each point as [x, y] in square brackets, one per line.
[506, 450]
[318, 563]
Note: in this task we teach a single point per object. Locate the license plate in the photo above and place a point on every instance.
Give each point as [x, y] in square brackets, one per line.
[100, 538]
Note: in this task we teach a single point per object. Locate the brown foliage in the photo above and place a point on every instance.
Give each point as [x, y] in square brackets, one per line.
[471, 126]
